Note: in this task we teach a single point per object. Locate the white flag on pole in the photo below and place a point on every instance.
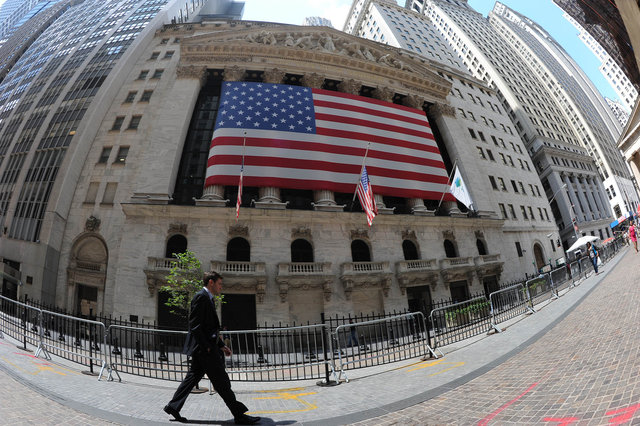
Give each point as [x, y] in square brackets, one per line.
[459, 189]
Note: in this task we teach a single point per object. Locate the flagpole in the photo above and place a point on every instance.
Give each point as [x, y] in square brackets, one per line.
[244, 143]
[453, 169]
[355, 193]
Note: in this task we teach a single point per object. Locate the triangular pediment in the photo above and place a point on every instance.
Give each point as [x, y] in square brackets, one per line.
[323, 50]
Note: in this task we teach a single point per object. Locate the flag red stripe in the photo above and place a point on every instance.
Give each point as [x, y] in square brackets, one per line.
[324, 166]
[377, 139]
[372, 112]
[372, 101]
[373, 125]
[248, 181]
[322, 147]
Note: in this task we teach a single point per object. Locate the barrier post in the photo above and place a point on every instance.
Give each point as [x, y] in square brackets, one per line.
[554, 290]
[327, 380]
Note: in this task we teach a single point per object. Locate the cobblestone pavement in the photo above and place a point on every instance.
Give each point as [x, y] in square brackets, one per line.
[585, 371]
[20, 405]
[573, 362]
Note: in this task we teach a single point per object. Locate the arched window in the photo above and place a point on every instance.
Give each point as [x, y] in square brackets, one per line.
[238, 250]
[410, 250]
[450, 249]
[360, 251]
[176, 244]
[301, 251]
[482, 250]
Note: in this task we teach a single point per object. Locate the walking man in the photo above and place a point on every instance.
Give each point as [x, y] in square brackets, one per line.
[207, 351]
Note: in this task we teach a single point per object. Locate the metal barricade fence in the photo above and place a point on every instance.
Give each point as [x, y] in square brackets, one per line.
[460, 321]
[381, 341]
[559, 278]
[21, 322]
[586, 267]
[538, 289]
[146, 352]
[508, 303]
[76, 339]
[575, 273]
[276, 354]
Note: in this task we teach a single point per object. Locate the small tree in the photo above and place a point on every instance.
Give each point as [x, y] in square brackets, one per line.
[184, 280]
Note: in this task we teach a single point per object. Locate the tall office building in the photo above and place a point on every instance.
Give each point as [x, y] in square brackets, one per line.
[621, 113]
[317, 21]
[60, 79]
[13, 11]
[553, 138]
[479, 138]
[603, 20]
[591, 118]
[610, 69]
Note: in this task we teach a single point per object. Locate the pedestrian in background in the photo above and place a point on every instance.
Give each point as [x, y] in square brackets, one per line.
[633, 236]
[593, 255]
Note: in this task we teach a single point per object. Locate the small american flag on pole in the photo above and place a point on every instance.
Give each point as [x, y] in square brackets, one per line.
[239, 200]
[365, 195]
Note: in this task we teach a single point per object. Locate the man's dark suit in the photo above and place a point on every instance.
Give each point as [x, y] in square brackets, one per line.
[204, 346]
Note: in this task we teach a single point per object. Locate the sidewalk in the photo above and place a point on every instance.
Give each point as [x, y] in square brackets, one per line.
[371, 392]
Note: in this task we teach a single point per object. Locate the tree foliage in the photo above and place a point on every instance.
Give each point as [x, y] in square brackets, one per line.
[184, 281]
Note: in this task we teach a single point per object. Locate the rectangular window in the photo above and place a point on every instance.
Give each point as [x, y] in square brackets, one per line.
[157, 73]
[481, 153]
[109, 193]
[104, 156]
[481, 136]
[545, 213]
[531, 213]
[512, 211]
[540, 213]
[164, 41]
[130, 97]
[503, 158]
[169, 54]
[522, 188]
[553, 244]
[490, 154]
[154, 56]
[92, 192]
[473, 134]
[143, 74]
[117, 124]
[493, 182]
[135, 122]
[503, 211]
[518, 249]
[515, 187]
[146, 95]
[123, 151]
[510, 161]
[502, 185]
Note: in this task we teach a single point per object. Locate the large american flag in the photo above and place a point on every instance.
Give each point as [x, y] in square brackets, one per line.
[365, 195]
[303, 138]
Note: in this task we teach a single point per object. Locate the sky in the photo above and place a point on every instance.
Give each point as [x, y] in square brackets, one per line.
[544, 12]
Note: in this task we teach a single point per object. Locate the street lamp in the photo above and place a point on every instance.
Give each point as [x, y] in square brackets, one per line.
[555, 193]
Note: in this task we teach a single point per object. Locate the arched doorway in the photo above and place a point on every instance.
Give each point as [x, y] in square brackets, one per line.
[87, 273]
[539, 255]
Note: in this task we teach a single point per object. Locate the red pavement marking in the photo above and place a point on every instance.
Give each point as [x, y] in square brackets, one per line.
[491, 416]
[562, 421]
[627, 414]
[29, 355]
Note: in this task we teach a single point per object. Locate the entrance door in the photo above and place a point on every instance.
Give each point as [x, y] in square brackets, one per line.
[459, 291]
[239, 313]
[490, 285]
[419, 299]
[87, 300]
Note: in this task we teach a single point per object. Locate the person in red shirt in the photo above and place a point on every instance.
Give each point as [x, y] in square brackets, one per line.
[633, 236]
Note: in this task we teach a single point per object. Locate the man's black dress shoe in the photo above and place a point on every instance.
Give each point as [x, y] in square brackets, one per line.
[245, 419]
[175, 413]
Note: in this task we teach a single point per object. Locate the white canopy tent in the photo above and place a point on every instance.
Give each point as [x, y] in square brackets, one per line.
[582, 241]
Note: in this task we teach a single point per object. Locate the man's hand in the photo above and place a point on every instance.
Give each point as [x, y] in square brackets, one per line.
[226, 351]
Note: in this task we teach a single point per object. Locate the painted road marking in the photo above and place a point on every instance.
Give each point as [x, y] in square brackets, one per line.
[40, 366]
[424, 364]
[491, 416]
[285, 394]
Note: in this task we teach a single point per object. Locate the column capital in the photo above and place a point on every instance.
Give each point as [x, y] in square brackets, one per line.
[350, 86]
[313, 80]
[273, 75]
[234, 73]
[439, 109]
[385, 94]
[415, 101]
[192, 71]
